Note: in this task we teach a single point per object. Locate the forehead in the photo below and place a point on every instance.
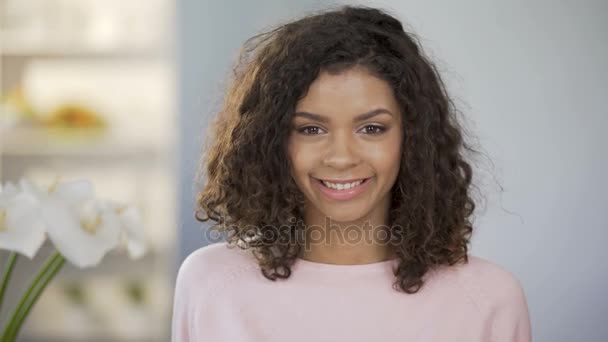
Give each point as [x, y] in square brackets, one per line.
[350, 92]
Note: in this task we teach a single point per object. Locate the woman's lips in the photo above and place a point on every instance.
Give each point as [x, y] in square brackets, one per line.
[341, 195]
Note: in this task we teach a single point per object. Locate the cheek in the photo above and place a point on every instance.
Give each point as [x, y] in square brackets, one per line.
[385, 156]
[301, 158]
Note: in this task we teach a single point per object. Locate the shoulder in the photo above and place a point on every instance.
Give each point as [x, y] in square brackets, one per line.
[200, 278]
[496, 293]
[488, 280]
[212, 266]
[487, 285]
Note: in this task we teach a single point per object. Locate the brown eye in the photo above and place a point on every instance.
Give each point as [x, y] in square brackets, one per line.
[309, 130]
[374, 129]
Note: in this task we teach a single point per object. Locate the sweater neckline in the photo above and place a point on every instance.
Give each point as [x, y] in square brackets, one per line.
[380, 266]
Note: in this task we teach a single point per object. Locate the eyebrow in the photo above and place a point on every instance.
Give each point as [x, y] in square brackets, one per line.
[359, 118]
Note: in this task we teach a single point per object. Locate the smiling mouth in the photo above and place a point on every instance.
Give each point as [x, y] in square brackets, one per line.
[342, 185]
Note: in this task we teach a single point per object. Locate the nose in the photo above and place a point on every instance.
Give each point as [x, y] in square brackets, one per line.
[341, 152]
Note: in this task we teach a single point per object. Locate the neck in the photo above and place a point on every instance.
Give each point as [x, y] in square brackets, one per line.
[362, 241]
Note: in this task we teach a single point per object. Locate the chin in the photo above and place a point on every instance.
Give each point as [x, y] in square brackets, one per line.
[344, 213]
[338, 217]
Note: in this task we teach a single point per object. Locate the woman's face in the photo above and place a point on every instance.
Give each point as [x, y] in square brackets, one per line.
[346, 129]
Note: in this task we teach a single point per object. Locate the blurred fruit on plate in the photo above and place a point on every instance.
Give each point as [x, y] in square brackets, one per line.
[75, 116]
[15, 108]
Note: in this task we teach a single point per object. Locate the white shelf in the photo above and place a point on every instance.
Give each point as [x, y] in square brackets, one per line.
[72, 52]
[43, 42]
[33, 142]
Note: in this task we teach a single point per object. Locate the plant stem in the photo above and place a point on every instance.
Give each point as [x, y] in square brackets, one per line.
[10, 265]
[47, 272]
[34, 298]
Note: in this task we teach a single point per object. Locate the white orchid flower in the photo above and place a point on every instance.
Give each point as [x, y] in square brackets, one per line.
[21, 228]
[132, 230]
[82, 228]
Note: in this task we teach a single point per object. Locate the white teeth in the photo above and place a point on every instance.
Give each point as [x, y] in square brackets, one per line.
[342, 186]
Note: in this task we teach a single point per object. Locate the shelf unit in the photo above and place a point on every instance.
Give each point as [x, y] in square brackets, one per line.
[128, 162]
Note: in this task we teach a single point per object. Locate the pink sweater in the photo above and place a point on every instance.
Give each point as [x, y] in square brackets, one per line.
[221, 295]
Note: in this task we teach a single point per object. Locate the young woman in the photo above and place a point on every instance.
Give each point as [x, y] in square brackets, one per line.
[337, 166]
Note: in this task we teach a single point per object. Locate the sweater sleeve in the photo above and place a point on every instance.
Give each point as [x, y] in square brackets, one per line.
[182, 310]
[511, 321]
[192, 287]
[199, 280]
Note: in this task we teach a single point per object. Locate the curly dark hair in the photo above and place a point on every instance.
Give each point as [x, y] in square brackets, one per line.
[249, 189]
